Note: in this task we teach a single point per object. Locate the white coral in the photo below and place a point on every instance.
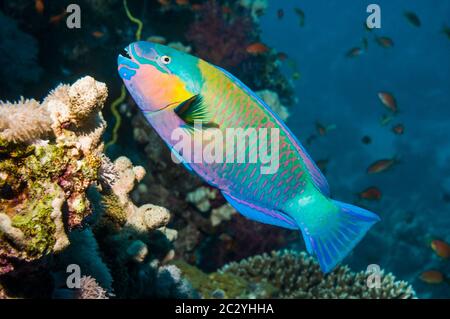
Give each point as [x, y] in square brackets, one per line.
[273, 101]
[23, 121]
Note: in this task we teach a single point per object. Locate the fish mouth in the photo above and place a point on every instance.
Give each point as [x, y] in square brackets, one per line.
[124, 58]
[124, 53]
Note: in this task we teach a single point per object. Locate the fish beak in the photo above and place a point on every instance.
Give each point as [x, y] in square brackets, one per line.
[124, 56]
[127, 67]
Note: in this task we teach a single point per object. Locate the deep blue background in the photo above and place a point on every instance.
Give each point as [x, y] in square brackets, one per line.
[334, 89]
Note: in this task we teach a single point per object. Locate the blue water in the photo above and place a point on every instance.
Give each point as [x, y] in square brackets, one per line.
[334, 89]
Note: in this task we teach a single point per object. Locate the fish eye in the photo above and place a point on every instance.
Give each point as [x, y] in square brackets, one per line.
[166, 59]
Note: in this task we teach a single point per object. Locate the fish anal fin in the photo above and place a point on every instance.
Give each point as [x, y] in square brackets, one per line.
[261, 214]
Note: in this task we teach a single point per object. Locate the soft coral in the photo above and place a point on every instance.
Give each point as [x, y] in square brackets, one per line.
[220, 38]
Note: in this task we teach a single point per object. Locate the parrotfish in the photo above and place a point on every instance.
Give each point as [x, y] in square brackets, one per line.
[176, 91]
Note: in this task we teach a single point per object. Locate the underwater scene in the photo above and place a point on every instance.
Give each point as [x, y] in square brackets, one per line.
[219, 149]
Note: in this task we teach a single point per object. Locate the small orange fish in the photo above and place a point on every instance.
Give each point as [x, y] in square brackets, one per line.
[385, 42]
[432, 277]
[164, 3]
[412, 18]
[322, 130]
[398, 129]
[280, 14]
[257, 48]
[57, 18]
[354, 52]
[97, 34]
[441, 248]
[366, 140]
[385, 119]
[370, 193]
[196, 7]
[227, 10]
[389, 101]
[381, 166]
[282, 56]
[182, 2]
[39, 6]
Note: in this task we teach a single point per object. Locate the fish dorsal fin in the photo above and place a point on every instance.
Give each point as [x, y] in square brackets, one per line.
[316, 175]
[194, 110]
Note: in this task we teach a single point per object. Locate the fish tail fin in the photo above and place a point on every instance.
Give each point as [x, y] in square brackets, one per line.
[337, 232]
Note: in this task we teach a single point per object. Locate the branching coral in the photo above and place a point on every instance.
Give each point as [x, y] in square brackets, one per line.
[90, 289]
[296, 275]
[219, 40]
[223, 285]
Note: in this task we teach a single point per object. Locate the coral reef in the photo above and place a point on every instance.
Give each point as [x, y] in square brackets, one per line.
[256, 7]
[60, 196]
[271, 98]
[39, 177]
[222, 213]
[218, 39]
[295, 275]
[223, 285]
[201, 198]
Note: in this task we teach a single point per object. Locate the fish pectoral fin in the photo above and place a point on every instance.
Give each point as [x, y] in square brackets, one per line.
[261, 214]
[194, 111]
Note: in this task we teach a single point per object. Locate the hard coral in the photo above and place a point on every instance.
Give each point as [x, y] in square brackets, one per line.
[23, 121]
[46, 191]
[218, 39]
[39, 176]
[296, 275]
[90, 289]
[273, 101]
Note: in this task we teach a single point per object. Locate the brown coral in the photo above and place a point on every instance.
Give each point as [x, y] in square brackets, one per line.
[297, 275]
